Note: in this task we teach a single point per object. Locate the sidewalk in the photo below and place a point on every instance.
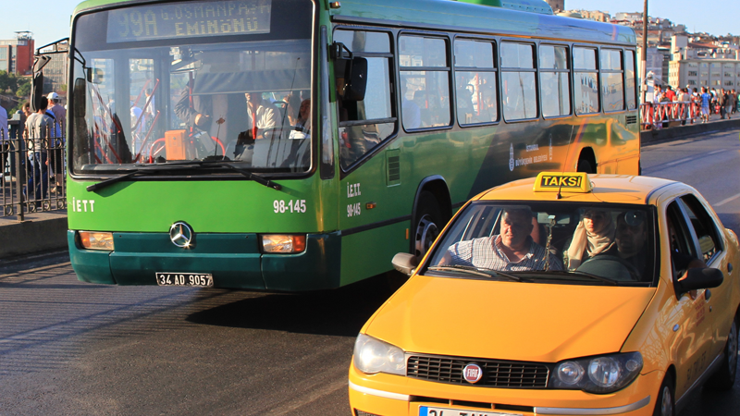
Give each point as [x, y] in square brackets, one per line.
[47, 231]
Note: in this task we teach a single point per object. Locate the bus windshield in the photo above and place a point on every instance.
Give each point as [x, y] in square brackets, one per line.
[225, 81]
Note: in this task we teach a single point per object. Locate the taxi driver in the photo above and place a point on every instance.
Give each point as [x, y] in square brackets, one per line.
[511, 250]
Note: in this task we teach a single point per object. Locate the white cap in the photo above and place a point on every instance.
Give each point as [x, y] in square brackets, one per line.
[52, 96]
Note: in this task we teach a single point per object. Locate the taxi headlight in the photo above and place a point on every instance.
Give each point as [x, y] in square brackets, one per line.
[93, 240]
[283, 243]
[374, 356]
[603, 374]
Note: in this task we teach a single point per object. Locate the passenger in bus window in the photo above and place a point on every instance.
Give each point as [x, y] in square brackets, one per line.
[513, 249]
[212, 117]
[593, 235]
[261, 115]
[411, 111]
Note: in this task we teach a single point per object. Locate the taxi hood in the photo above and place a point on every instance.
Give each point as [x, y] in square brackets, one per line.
[508, 320]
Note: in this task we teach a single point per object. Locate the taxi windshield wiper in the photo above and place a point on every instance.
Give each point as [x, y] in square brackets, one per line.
[192, 164]
[584, 274]
[488, 273]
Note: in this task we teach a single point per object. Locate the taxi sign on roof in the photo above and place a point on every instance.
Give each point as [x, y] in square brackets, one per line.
[562, 181]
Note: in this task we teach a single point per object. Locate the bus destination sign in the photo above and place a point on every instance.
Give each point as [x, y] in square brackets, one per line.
[186, 20]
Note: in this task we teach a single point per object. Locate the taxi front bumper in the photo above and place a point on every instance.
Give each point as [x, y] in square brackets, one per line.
[389, 395]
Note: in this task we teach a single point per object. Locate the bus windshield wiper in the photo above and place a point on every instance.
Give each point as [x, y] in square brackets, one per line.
[488, 273]
[141, 170]
[193, 164]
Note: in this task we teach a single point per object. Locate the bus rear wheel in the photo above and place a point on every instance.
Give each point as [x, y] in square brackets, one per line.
[428, 223]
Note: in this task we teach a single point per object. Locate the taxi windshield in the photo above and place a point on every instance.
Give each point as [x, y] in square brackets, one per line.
[563, 243]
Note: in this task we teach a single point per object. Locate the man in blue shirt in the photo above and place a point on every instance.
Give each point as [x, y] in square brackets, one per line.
[706, 98]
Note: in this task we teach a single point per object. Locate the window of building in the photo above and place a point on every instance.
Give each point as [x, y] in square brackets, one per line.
[519, 88]
[555, 80]
[425, 82]
[586, 83]
[475, 82]
[693, 73]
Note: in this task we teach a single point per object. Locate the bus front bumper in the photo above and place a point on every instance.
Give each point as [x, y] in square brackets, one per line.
[234, 261]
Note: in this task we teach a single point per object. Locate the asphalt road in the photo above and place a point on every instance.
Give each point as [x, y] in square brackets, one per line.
[69, 348]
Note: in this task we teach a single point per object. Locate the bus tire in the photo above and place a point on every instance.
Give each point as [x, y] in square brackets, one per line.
[585, 166]
[724, 378]
[428, 223]
[666, 403]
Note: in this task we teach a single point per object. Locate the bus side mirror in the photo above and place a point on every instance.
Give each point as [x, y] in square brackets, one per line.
[405, 263]
[79, 98]
[356, 80]
[95, 75]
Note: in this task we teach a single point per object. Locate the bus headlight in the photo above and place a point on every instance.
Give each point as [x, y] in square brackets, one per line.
[94, 240]
[603, 374]
[283, 243]
[374, 356]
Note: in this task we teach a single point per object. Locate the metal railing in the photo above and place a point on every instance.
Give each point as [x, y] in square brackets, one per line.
[33, 168]
[654, 116]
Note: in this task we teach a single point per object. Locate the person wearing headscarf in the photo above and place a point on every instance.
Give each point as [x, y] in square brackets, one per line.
[593, 235]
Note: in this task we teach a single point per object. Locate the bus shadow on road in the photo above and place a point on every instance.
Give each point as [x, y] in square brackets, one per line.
[340, 311]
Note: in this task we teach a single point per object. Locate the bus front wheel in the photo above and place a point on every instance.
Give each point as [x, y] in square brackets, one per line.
[428, 223]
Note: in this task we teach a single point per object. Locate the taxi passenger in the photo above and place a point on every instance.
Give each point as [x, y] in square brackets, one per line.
[593, 235]
[630, 237]
[512, 250]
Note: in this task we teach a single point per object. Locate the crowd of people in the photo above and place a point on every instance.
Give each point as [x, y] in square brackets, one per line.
[708, 101]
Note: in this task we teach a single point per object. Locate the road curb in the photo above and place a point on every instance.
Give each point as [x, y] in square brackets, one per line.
[650, 137]
[38, 235]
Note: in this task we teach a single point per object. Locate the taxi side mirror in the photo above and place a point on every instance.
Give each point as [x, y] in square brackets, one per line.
[699, 279]
[405, 263]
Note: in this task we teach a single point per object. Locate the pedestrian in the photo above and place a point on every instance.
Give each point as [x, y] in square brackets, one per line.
[56, 142]
[684, 102]
[38, 125]
[4, 142]
[706, 100]
[730, 103]
[670, 95]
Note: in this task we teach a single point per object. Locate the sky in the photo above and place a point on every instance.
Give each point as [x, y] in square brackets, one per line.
[49, 20]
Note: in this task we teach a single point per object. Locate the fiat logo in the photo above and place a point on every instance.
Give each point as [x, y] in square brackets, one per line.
[472, 373]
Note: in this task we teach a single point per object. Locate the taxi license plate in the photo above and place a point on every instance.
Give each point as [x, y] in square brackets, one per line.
[437, 411]
[185, 279]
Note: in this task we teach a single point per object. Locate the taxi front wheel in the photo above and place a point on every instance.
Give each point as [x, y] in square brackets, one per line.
[665, 405]
[724, 378]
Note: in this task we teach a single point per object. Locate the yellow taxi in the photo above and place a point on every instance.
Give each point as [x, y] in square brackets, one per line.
[564, 294]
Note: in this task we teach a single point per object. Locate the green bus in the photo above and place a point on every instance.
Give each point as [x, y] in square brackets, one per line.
[297, 145]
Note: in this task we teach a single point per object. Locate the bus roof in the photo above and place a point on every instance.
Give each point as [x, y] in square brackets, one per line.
[460, 16]
[474, 18]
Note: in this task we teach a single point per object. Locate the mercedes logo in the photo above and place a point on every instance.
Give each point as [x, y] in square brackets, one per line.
[181, 235]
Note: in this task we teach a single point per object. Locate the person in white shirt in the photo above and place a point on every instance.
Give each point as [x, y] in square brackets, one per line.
[266, 114]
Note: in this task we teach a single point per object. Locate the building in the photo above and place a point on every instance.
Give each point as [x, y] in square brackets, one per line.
[698, 64]
[16, 55]
[556, 5]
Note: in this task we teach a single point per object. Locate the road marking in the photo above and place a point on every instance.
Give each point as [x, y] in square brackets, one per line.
[724, 201]
[716, 151]
[679, 161]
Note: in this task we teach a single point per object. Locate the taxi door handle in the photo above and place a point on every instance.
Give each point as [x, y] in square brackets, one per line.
[707, 294]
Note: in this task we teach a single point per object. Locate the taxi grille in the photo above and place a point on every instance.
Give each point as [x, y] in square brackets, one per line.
[504, 374]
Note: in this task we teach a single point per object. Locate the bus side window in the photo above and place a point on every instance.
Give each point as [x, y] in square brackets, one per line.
[475, 82]
[425, 78]
[364, 124]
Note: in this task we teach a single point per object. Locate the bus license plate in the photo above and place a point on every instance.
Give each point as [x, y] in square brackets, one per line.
[436, 411]
[185, 279]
